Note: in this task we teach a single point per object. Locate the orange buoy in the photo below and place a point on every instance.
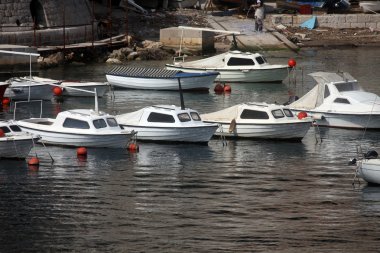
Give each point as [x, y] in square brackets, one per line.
[292, 63]
[133, 147]
[302, 115]
[34, 161]
[218, 88]
[2, 134]
[81, 151]
[57, 91]
[227, 88]
[6, 101]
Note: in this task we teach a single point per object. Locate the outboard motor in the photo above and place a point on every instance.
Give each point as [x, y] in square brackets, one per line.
[371, 154]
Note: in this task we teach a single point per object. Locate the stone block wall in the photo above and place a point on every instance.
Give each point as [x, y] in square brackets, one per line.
[331, 20]
[17, 24]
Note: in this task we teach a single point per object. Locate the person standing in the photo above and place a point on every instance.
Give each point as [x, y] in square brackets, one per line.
[259, 15]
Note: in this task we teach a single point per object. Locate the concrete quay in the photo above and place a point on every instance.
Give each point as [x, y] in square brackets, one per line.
[270, 39]
[249, 39]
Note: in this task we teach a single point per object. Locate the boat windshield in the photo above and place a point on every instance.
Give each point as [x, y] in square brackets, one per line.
[278, 113]
[5, 129]
[195, 116]
[99, 123]
[288, 113]
[349, 86]
[112, 122]
[15, 128]
[260, 60]
[183, 117]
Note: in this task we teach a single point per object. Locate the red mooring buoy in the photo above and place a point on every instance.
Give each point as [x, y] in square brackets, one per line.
[57, 91]
[292, 63]
[227, 88]
[133, 147]
[81, 151]
[302, 115]
[218, 88]
[6, 101]
[34, 161]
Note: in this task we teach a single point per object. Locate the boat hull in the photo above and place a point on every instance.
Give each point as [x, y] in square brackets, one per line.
[369, 170]
[17, 147]
[200, 134]
[101, 89]
[351, 121]
[37, 92]
[289, 131]
[272, 75]
[78, 140]
[202, 82]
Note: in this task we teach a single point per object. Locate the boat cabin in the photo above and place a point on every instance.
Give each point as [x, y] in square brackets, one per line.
[9, 128]
[237, 58]
[251, 112]
[160, 115]
[80, 119]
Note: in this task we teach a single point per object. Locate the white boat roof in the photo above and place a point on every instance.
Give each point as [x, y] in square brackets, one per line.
[233, 112]
[134, 118]
[329, 77]
[342, 87]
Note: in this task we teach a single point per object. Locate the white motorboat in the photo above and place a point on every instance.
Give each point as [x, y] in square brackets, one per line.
[259, 120]
[338, 101]
[167, 123]
[31, 87]
[15, 143]
[75, 88]
[236, 66]
[80, 127]
[159, 79]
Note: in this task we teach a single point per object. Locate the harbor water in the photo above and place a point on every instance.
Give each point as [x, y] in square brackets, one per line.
[247, 196]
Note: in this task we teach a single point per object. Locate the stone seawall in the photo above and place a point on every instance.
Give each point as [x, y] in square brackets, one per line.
[49, 36]
[331, 20]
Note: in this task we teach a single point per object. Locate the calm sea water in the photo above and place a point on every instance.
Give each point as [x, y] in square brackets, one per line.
[248, 196]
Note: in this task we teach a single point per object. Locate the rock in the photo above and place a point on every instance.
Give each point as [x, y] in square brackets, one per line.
[132, 56]
[113, 61]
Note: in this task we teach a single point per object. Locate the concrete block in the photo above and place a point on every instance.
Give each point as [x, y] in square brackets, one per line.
[342, 25]
[351, 18]
[357, 25]
[322, 19]
[372, 25]
[195, 40]
[363, 18]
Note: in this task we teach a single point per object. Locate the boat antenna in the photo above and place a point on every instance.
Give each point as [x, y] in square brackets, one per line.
[96, 101]
[181, 94]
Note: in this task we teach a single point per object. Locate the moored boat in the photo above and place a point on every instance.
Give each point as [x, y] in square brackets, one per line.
[236, 66]
[159, 79]
[79, 127]
[337, 100]
[259, 120]
[15, 143]
[27, 88]
[167, 123]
